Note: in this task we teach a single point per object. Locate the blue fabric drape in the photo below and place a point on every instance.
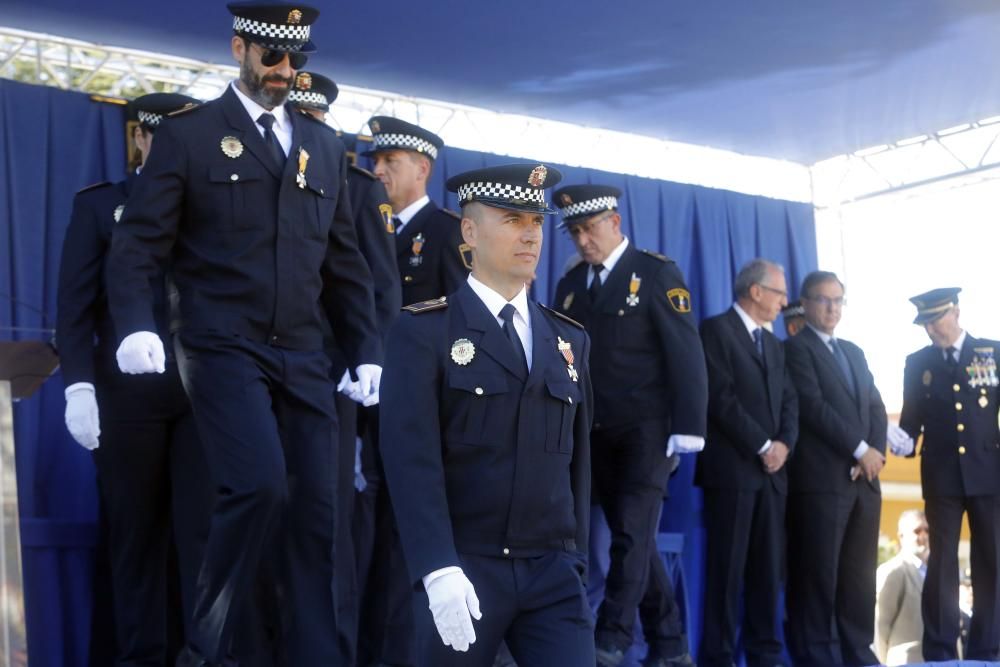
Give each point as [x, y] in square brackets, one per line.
[54, 142]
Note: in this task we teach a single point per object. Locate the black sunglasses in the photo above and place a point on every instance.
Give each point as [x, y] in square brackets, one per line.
[271, 57]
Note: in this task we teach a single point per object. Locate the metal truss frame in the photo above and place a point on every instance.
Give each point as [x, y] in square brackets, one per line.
[121, 73]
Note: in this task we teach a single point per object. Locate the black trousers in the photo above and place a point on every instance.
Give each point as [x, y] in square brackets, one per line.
[630, 473]
[155, 495]
[538, 605]
[745, 553]
[345, 568]
[940, 597]
[831, 576]
[660, 615]
[266, 418]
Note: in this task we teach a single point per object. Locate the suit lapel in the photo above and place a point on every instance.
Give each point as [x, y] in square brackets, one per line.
[246, 131]
[743, 336]
[825, 355]
[775, 374]
[492, 340]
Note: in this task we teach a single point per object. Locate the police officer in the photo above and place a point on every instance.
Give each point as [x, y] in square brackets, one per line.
[487, 446]
[950, 396]
[432, 261]
[313, 94]
[248, 204]
[794, 317]
[652, 396]
[150, 469]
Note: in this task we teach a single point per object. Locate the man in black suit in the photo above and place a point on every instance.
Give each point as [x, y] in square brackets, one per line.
[151, 471]
[752, 428]
[651, 397]
[834, 497]
[246, 202]
[950, 396]
[486, 449]
[430, 253]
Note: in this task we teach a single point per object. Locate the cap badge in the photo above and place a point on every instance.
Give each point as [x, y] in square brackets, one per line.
[304, 81]
[633, 288]
[118, 212]
[300, 178]
[416, 247]
[232, 147]
[386, 211]
[376, 128]
[680, 299]
[537, 176]
[294, 17]
[462, 351]
[566, 350]
[926, 379]
[566, 199]
[568, 301]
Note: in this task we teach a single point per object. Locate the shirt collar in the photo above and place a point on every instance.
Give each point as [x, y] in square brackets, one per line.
[495, 302]
[823, 336]
[407, 213]
[747, 320]
[912, 559]
[959, 342]
[615, 255]
[254, 110]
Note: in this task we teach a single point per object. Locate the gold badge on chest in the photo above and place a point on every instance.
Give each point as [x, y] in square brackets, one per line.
[417, 247]
[231, 147]
[633, 291]
[927, 378]
[300, 177]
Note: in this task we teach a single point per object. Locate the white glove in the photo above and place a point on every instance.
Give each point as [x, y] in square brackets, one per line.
[369, 379]
[346, 385]
[141, 352]
[82, 418]
[360, 483]
[685, 444]
[452, 599]
[900, 442]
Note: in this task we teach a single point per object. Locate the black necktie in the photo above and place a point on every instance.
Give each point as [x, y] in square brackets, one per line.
[397, 224]
[266, 121]
[845, 367]
[951, 356]
[595, 284]
[758, 341]
[507, 315]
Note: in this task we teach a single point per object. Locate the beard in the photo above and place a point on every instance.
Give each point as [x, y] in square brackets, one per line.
[258, 90]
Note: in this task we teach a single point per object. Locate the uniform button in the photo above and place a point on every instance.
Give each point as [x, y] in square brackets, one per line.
[570, 399]
[506, 551]
[621, 313]
[961, 427]
[274, 340]
[955, 387]
[408, 279]
[961, 449]
[479, 391]
[234, 177]
[321, 191]
[958, 406]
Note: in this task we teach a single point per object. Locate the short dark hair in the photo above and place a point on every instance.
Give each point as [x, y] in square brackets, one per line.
[816, 278]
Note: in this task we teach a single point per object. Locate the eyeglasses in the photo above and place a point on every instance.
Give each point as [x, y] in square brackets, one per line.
[775, 290]
[826, 302]
[271, 57]
[587, 227]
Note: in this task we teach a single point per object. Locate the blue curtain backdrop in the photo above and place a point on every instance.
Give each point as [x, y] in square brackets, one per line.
[54, 142]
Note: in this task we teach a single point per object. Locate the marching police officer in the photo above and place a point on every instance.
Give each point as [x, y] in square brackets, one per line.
[950, 395]
[313, 94]
[150, 468]
[487, 446]
[248, 204]
[652, 396]
[432, 260]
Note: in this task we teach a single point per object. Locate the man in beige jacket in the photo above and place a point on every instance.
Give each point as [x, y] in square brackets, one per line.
[899, 583]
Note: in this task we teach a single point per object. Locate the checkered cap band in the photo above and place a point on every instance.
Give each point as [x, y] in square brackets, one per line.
[295, 33]
[405, 141]
[307, 97]
[149, 118]
[589, 206]
[472, 191]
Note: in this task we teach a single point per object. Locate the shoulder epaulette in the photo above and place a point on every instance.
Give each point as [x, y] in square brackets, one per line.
[190, 106]
[318, 122]
[362, 170]
[94, 186]
[564, 318]
[427, 306]
[662, 258]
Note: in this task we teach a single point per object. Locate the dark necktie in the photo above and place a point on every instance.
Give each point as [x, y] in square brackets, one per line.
[595, 284]
[397, 224]
[266, 121]
[845, 367]
[951, 357]
[507, 315]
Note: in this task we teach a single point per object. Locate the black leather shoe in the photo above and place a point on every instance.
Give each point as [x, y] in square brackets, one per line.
[609, 656]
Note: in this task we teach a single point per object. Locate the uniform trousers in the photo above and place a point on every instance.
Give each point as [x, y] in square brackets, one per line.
[538, 605]
[265, 415]
[155, 494]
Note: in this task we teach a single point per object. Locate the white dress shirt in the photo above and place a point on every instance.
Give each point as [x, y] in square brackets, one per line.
[959, 342]
[282, 127]
[407, 213]
[609, 262]
[495, 303]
